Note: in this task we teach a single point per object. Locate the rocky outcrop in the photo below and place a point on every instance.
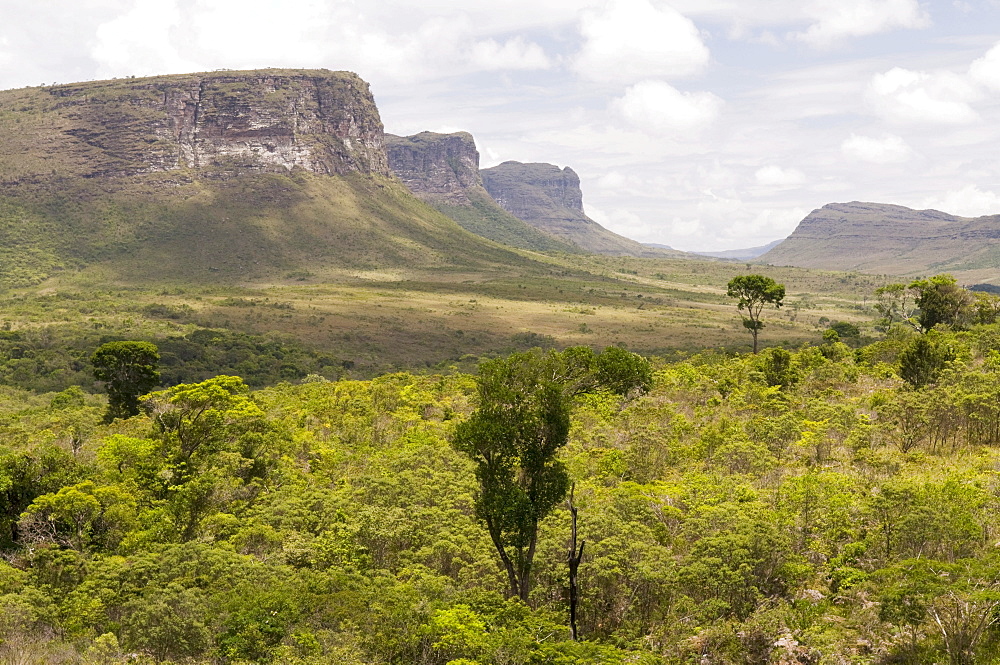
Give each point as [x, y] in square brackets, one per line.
[892, 239]
[438, 168]
[443, 170]
[263, 120]
[550, 199]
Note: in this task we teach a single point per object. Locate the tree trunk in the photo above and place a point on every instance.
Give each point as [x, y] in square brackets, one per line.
[575, 556]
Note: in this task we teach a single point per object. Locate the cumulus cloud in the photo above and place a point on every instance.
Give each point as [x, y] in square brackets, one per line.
[162, 36]
[836, 20]
[632, 40]
[142, 41]
[656, 107]
[969, 201]
[986, 70]
[773, 223]
[890, 149]
[623, 222]
[779, 178]
[515, 53]
[905, 95]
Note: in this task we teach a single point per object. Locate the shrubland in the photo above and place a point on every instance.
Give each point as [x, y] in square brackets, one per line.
[809, 504]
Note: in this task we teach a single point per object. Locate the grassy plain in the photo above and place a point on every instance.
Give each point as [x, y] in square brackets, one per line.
[404, 318]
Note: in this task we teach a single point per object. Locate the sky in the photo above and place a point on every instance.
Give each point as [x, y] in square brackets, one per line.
[699, 124]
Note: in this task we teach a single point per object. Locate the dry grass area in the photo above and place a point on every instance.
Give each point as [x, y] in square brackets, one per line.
[380, 320]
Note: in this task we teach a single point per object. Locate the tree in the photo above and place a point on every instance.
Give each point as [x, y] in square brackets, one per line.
[129, 370]
[942, 300]
[892, 302]
[921, 361]
[753, 292]
[513, 437]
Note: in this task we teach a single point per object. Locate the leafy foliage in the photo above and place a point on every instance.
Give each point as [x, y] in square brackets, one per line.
[795, 505]
[128, 370]
[752, 293]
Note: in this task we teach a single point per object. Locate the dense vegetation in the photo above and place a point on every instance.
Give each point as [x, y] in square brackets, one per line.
[808, 505]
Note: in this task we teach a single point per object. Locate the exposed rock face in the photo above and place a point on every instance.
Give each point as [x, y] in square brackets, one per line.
[443, 170]
[264, 120]
[550, 199]
[438, 168]
[541, 192]
[882, 238]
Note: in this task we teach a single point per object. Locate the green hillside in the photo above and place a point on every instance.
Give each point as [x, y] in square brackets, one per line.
[231, 176]
[255, 227]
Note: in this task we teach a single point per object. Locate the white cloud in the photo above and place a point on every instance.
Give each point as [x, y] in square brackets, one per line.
[890, 149]
[623, 222]
[969, 201]
[515, 53]
[632, 40]
[904, 95]
[659, 108]
[773, 222]
[986, 70]
[142, 41]
[779, 178]
[836, 20]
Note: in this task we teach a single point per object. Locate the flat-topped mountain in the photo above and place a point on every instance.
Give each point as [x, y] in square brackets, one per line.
[892, 239]
[550, 199]
[266, 120]
[443, 171]
[220, 175]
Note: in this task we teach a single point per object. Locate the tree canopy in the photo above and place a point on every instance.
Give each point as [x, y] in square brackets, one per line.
[753, 292]
[129, 370]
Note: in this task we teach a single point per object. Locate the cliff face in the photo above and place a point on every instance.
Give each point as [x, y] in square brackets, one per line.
[213, 176]
[550, 199]
[438, 168]
[882, 238]
[265, 120]
[443, 170]
[541, 192]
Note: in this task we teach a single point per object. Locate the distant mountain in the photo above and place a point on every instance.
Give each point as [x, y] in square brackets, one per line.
[443, 171]
[212, 176]
[892, 239]
[742, 254]
[550, 199]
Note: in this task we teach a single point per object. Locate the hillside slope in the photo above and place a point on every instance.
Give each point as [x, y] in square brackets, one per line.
[443, 171]
[881, 238]
[225, 175]
[550, 199]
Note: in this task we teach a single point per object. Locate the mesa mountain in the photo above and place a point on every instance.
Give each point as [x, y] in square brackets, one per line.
[535, 206]
[892, 239]
[223, 175]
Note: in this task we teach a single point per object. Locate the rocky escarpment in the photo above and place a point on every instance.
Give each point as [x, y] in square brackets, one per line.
[892, 239]
[438, 168]
[443, 170]
[550, 199]
[263, 120]
[214, 176]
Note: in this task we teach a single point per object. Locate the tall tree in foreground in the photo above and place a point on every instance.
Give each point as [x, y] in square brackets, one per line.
[513, 437]
[129, 371]
[753, 292]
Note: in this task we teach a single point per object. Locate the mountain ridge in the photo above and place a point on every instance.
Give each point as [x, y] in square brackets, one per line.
[443, 171]
[551, 200]
[893, 239]
[215, 176]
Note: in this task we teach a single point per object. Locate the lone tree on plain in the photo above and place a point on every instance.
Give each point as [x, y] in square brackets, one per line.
[129, 370]
[753, 292]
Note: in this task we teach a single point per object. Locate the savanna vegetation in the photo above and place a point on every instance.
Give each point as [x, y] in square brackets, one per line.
[813, 503]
